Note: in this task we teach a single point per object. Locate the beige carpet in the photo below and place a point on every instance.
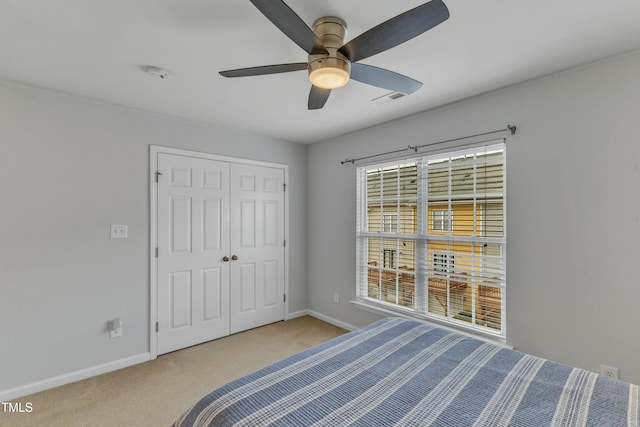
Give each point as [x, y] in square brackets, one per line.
[155, 393]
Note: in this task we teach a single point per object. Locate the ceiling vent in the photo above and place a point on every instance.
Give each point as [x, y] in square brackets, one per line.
[392, 96]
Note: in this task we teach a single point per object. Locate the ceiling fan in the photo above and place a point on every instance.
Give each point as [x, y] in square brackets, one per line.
[331, 63]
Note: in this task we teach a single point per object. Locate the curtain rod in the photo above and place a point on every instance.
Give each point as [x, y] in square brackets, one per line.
[415, 148]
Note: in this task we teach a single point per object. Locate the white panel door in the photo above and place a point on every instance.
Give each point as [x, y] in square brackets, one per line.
[257, 246]
[193, 239]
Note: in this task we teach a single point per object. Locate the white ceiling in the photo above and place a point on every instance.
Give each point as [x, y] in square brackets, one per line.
[96, 49]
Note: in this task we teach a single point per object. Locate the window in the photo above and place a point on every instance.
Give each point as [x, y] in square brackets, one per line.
[442, 263]
[389, 260]
[390, 223]
[440, 220]
[410, 257]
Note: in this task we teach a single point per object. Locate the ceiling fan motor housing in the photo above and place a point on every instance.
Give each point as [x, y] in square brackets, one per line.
[331, 31]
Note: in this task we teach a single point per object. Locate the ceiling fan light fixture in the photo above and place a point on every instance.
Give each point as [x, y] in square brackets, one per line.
[329, 78]
[329, 73]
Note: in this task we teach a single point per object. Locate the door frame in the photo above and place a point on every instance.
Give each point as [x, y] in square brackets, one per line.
[154, 150]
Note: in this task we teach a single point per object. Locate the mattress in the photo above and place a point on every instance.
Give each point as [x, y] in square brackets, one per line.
[407, 373]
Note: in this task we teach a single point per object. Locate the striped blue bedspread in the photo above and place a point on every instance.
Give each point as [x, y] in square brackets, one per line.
[407, 373]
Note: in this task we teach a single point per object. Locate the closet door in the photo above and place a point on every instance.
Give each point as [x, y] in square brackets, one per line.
[257, 246]
[193, 241]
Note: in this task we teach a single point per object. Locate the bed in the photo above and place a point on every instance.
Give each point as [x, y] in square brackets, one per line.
[403, 372]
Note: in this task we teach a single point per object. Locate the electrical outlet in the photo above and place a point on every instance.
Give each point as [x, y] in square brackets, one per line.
[115, 334]
[119, 231]
[115, 328]
[609, 371]
[336, 298]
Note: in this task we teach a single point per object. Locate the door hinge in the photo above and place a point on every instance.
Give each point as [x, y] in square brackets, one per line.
[156, 326]
[285, 243]
[284, 299]
[156, 252]
[284, 187]
[158, 175]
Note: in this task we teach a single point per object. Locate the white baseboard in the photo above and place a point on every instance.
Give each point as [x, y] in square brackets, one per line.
[297, 314]
[25, 390]
[36, 387]
[331, 320]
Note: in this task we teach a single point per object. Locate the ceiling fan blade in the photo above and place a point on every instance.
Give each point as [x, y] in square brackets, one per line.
[318, 97]
[290, 24]
[396, 31]
[384, 78]
[265, 69]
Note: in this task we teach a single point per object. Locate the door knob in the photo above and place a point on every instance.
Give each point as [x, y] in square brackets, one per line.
[225, 259]
[235, 257]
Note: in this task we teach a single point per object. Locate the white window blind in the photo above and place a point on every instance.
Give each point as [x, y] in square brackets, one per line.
[448, 237]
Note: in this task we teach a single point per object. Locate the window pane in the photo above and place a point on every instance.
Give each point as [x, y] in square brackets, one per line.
[489, 307]
[374, 182]
[462, 176]
[392, 194]
[374, 198]
[492, 262]
[406, 255]
[490, 176]
[374, 217]
[373, 270]
[389, 286]
[390, 184]
[446, 296]
[408, 182]
[406, 286]
[373, 289]
[407, 221]
[492, 222]
[438, 181]
[465, 215]
[374, 253]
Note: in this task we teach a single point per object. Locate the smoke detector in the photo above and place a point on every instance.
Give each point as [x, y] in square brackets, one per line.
[156, 72]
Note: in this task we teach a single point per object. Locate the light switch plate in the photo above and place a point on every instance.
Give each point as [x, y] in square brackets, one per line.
[119, 231]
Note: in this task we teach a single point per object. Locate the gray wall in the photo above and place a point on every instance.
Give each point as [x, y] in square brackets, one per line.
[573, 210]
[69, 168]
